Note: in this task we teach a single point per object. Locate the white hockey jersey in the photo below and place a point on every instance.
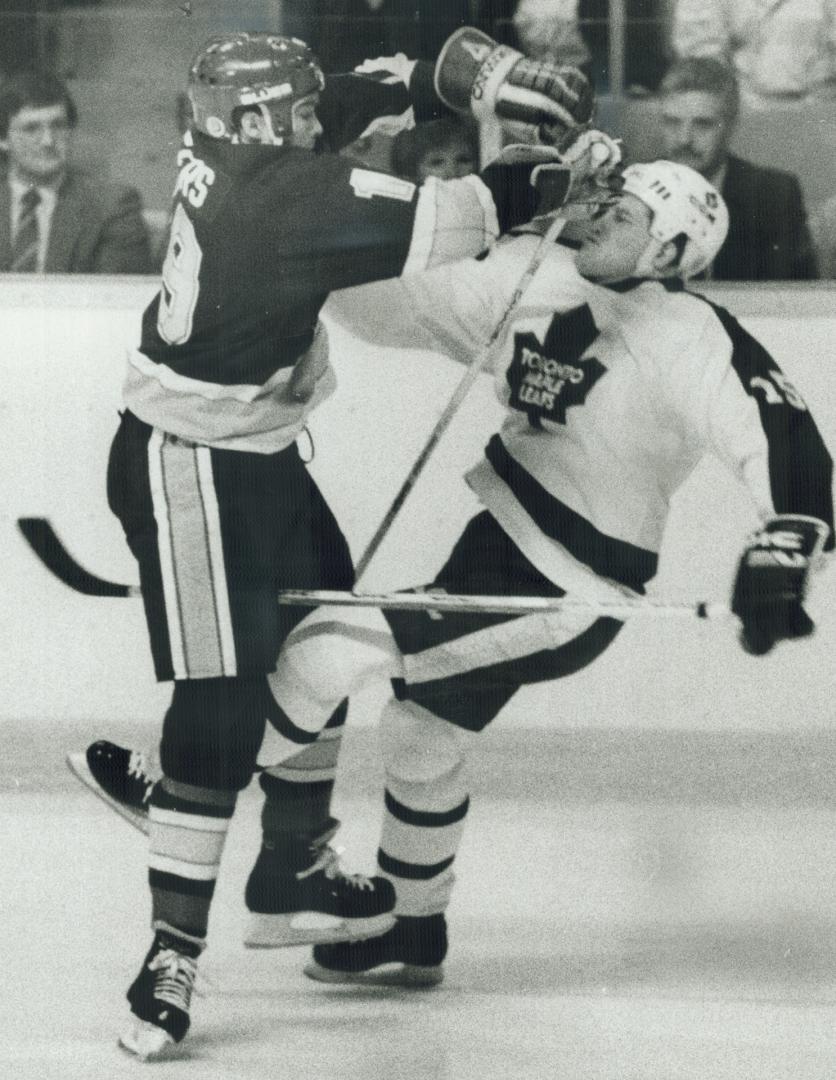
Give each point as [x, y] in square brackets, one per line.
[613, 395]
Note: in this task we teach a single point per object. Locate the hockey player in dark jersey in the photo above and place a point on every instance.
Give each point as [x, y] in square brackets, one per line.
[204, 473]
[616, 382]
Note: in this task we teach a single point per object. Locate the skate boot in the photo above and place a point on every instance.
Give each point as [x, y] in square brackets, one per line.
[410, 954]
[297, 894]
[123, 778]
[160, 996]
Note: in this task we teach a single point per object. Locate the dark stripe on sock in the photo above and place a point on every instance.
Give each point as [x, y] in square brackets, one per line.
[427, 818]
[159, 879]
[413, 871]
[285, 726]
[165, 801]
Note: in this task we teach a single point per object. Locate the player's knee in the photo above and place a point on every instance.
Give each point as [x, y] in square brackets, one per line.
[417, 746]
[329, 656]
[212, 732]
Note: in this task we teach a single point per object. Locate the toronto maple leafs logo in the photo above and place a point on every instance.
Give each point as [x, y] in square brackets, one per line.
[547, 377]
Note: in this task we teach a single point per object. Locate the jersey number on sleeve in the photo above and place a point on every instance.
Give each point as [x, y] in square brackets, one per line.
[181, 281]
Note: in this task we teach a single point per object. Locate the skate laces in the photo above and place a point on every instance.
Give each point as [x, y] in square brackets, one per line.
[138, 767]
[328, 862]
[175, 977]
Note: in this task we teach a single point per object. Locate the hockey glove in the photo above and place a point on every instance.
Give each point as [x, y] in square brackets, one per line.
[582, 174]
[772, 578]
[474, 74]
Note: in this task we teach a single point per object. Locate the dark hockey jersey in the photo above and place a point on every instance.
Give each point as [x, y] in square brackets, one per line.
[612, 397]
[232, 353]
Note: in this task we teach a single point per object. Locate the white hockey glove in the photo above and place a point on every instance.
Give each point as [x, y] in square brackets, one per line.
[771, 581]
[392, 69]
[474, 74]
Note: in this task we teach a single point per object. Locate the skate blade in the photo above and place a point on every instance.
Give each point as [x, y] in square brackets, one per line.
[311, 928]
[148, 1042]
[412, 976]
[78, 765]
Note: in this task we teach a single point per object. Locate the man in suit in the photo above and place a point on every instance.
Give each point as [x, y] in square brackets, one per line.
[54, 218]
[768, 236]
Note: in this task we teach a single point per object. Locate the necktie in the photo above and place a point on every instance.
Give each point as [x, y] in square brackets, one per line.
[26, 241]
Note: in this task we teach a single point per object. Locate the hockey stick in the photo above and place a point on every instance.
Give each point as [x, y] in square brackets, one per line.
[474, 369]
[44, 542]
[466, 604]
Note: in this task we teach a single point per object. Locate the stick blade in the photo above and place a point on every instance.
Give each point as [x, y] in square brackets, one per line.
[42, 539]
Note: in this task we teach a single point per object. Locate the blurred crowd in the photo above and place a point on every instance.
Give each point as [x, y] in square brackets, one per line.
[698, 69]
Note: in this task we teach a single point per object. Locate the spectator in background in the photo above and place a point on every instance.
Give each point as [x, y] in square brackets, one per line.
[53, 217]
[447, 148]
[768, 237]
[780, 50]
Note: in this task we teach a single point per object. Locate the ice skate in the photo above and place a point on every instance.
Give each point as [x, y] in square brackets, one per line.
[299, 895]
[123, 778]
[160, 997]
[410, 955]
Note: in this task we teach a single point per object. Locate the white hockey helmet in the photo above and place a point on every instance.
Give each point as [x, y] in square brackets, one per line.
[242, 69]
[683, 204]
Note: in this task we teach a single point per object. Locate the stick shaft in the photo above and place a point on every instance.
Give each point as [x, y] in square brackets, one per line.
[506, 605]
[474, 369]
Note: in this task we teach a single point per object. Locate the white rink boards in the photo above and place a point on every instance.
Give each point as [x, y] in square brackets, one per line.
[70, 657]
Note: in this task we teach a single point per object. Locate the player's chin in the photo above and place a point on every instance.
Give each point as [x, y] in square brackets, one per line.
[586, 260]
[576, 232]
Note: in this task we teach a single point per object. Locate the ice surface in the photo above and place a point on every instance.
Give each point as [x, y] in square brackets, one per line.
[631, 906]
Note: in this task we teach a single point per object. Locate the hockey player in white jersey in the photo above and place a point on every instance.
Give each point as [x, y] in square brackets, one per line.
[616, 382]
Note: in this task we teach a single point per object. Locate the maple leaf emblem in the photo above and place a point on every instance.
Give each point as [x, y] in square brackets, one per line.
[546, 378]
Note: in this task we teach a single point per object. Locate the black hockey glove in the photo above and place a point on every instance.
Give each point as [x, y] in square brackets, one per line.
[474, 74]
[771, 581]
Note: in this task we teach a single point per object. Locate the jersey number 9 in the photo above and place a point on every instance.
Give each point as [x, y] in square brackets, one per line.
[181, 281]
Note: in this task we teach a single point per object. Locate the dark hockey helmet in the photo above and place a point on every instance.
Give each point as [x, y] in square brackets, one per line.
[237, 70]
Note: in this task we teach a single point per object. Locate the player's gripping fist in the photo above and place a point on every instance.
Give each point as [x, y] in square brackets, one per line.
[772, 578]
[474, 74]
